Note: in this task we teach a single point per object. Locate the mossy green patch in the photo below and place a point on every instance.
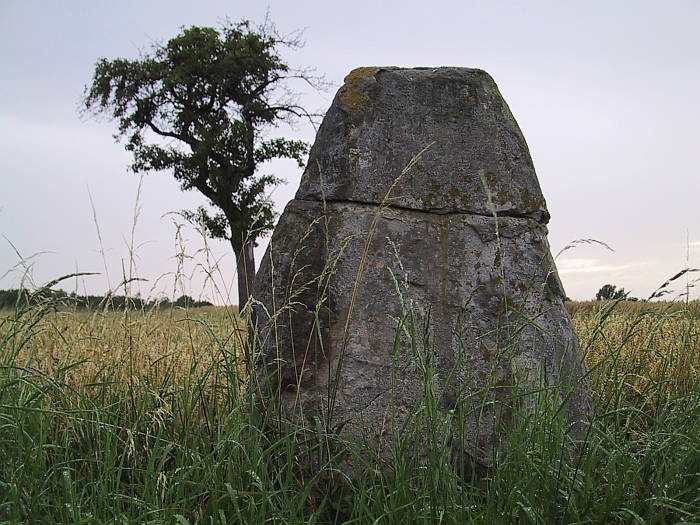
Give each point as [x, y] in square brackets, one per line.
[531, 202]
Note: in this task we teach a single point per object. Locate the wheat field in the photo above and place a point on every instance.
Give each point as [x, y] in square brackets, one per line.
[653, 347]
[124, 347]
[647, 342]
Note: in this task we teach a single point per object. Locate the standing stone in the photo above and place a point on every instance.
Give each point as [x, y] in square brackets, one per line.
[413, 264]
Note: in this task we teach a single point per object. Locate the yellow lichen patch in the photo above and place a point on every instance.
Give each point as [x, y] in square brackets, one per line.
[351, 96]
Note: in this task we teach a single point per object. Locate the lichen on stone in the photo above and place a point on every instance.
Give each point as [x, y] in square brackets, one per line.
[352, 96]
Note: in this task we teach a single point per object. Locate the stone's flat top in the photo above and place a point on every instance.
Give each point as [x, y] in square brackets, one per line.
[419, 71]
[476, 159]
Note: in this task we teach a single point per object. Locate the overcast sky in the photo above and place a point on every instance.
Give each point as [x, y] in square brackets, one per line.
[606, 93]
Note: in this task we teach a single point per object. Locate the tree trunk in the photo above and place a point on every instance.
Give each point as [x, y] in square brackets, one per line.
[245, 267]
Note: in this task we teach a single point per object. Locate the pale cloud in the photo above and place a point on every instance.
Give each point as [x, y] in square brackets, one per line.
[581, 265]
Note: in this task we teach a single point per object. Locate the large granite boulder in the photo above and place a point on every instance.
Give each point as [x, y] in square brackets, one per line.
[413, 264]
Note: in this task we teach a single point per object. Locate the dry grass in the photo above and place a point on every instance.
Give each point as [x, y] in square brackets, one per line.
[650, 348]
[648, 343]
[157, 346]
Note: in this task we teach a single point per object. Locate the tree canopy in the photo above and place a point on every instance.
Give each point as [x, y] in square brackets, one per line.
[610, 292]
[199, 105]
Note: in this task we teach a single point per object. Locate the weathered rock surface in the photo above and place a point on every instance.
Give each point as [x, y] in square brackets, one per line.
[453, 249]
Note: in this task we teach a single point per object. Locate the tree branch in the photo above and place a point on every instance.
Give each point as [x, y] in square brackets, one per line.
[201, 184]
[187, 140]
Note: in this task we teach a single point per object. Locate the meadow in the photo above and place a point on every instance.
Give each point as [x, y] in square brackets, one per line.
[142, 416]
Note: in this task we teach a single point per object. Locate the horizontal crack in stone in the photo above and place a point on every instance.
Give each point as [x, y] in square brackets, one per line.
[541, 217]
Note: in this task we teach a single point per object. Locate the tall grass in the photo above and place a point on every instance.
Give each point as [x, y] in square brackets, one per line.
[142, 416]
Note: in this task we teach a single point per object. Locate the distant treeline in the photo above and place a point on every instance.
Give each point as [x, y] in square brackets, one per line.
[9, 299]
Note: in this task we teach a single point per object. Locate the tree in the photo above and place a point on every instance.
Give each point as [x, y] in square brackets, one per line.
[206, 98]
[609, 292]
